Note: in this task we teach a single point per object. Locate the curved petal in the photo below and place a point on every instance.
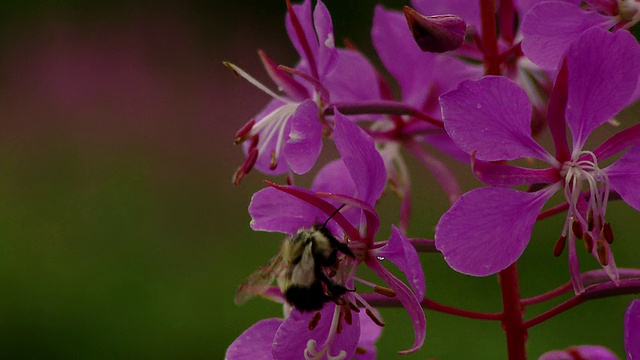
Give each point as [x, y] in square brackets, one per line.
[491, 116]
[624, 176]
[293, 337]
[400, 54]
[401, 252]
[363, 161]
[508, 175]
[549, 27]
[255, 343]
[603, 75]
[632, 330]
[487, 229]
[303, 13]
[327, 52]
[271, 210]
[408, 300]
[617, 143]
[305, 138]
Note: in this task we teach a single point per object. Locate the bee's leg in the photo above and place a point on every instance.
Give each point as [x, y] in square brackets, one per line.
[335, 290]
[335, 243]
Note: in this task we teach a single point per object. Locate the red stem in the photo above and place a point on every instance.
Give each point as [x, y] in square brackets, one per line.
[512, 321]
[489, 37]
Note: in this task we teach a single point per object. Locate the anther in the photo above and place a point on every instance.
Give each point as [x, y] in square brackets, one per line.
[576, 227]
[607, 233]
[384, 291]
[274, 161]
[360, 350]
[603, 253]
[346, 311]
[588, 242]
[353, 307]
[374, 318]
[339, 328]
[241, 135]
[314, 320]
[559, 247]
[248, 164]
[590, 220]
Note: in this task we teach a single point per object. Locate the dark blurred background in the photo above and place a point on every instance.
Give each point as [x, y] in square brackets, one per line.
[121, 235]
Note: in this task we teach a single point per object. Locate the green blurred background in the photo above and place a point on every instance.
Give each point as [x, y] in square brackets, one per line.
[121, 236]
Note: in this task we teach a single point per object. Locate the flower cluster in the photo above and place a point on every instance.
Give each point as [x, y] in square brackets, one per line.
[480, 84]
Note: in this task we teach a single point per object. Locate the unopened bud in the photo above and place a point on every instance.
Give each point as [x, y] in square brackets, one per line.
[437, 33]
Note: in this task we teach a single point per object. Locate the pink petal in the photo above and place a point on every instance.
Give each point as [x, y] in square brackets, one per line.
[487, 229]
[272, 210]
[408, 300]
[399, 53]
[401, 252]
[585, 352]
[303, 13]
[549, 28]
[369, 334]
[305, 138]
[603, 75]
[326, 181]
[361, 158]
[632, 330]
[292, 337]
[491, 116]
[327, 52]
[353, 79]
[255, 343]
[624, 176]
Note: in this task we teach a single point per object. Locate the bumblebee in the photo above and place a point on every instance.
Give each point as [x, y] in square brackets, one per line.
[301, 269]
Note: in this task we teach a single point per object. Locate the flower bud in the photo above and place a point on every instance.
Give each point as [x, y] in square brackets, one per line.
[437, 33]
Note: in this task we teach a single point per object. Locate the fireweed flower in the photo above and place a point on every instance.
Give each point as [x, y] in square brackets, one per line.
[487, 229]
[593, 352]
[289, 128]
[550, 26]
[357, 181]
[632, 331]
[257, 341]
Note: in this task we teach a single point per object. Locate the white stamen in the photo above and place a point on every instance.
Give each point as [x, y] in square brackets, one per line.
[255, 82]
[310, 351]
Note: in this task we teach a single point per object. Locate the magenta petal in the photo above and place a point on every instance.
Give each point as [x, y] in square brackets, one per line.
[363, 161]
[408, 300]
[334, 178]
[632, 330]
[327, 52]
[369, 334]
[303, 13]
[487, 229]
[624, 176]
[508, 175]
[491, 116]
[292, 337]
[353, 79]
[255, 343]
[549, 28]
[305, 138]
[399, 53]
[271, 210]
[586, 352]
[401, 252]
[603, 75]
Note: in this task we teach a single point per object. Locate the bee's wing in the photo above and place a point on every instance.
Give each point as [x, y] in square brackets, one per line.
[258, 282]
